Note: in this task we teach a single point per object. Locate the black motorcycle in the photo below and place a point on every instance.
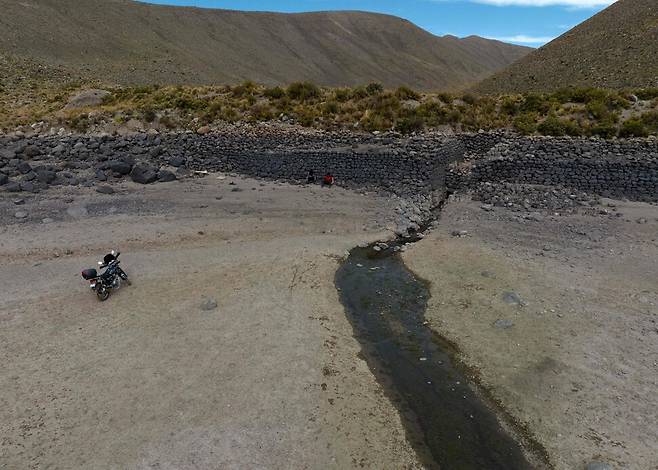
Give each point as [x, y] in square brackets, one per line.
[103, 283]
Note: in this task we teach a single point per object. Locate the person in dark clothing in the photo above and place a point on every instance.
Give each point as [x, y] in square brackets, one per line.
[310, 179]
[328, 180]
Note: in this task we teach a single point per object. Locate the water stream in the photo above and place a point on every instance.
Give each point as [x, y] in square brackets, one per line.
[446, 421]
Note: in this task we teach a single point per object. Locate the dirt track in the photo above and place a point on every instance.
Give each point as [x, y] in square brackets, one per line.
[270, 379]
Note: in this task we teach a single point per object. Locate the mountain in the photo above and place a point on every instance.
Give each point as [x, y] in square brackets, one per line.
[618, 48]
[133, 43]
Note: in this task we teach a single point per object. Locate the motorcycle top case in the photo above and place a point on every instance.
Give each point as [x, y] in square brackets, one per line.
[89, 274]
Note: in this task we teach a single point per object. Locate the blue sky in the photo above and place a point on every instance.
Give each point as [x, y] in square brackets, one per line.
[527, 22]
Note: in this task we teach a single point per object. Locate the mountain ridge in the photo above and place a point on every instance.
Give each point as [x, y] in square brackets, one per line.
[131, 42]
[617, 48]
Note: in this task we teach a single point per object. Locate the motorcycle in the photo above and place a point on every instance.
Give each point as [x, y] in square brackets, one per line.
[106, 281]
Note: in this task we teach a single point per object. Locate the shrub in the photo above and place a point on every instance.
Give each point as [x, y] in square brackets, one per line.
[469, 99]
[552, 125]
[526, 124]
[650, 120]
[148, 114]
[647, 93]
[445, 97]
[342, 94]
[407, 125]
[244, 89]
[535, 103]
[330, 108]
[374, 88]
[509, 106]
[406, 93]
[633, 128]
[274, 93]
[303, 91]
[605, 130]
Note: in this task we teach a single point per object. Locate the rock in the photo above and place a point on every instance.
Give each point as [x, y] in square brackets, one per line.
[21, 215]
[143, 174]
[120, 167]
[87, 99]
[27, 186]
[24, 168]
[46, 176]
[100, 175]
[104, 189]
[208, 305]
[598, 466]
[4, 179]
[512, 298]
[13, 187]
[165, 176]
[77, 212]
[487, 207]
[642, 220]
[203, 130]
[19, 202]
[177, 161]
[31, 151]
[503, 324]
[47, 220]
[459, 233]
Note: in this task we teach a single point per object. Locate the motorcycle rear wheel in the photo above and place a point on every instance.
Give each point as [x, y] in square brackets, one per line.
[102, 293]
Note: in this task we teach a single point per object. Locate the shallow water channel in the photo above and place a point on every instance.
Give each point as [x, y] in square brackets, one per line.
[449, 425]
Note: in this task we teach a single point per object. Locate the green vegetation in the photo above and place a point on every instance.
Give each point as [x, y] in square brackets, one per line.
[572, 112]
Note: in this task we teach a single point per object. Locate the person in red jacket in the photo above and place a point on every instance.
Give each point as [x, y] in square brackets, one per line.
[328, 180]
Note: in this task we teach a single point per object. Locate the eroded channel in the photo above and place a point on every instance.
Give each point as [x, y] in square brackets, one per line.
[449, 425]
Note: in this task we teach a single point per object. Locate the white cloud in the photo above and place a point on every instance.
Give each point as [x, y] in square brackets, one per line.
[524, 39]
[546, 3]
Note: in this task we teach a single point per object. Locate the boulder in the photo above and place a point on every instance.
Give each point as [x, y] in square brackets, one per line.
[104, 189]
[31, 151]
[120, 167]
[24, 168]
[4, 179]
[144, 174]
[87, 99]
[165, 176]
[46, 176]
[177, 161]
[13, 187]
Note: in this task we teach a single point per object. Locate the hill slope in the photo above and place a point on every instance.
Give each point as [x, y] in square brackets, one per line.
[617, 48]
[129, 42]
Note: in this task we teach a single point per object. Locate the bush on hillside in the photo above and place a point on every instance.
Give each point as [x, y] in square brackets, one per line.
[303, 91]
[526, 124]
[633, 128]
[374, 88]
[275, 93]
[552, 125]
[408, 125]
[405, 93]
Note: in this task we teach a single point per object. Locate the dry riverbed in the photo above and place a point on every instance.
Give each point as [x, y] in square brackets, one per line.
[271, 378]
[559, 314]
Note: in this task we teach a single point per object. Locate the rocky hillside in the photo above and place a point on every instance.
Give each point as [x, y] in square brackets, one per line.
[127, 42]
[618, 48]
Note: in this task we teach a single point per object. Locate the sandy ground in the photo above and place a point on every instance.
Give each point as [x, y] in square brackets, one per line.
[269, 379]
[579, 365]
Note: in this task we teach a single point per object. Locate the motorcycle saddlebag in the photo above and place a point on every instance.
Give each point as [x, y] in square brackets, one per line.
[89, 274]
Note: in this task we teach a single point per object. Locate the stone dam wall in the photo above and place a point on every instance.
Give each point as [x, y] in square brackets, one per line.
[419, 166]
[618, 169]
[33, 164]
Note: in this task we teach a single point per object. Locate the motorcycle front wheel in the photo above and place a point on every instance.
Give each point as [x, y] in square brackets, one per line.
[102, 294]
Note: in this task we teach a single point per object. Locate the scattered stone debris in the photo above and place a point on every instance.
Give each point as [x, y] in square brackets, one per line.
[503, 324]
[512, 298]
[533, 198]
[208, 305]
